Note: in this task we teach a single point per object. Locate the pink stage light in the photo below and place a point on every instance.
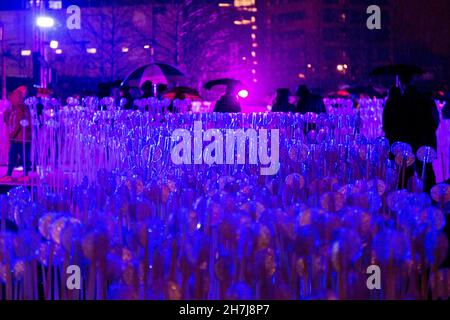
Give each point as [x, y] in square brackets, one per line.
[243, 94]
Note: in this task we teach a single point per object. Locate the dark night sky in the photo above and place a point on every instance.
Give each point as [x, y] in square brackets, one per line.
[425, 22]
[423, 33]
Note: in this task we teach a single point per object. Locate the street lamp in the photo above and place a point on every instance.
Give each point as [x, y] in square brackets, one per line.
[45, 22]
[243, 94]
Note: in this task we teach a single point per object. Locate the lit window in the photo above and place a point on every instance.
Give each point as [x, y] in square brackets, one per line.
[54, 44]
[55, 5]
[242, 22]
[244, 3]
[25, 53]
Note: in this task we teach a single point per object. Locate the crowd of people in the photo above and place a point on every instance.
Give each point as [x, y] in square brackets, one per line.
[124, 95]
[307, 101]
[229, 102]
[409, 116]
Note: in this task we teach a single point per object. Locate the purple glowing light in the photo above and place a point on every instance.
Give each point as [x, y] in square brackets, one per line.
[243, 94]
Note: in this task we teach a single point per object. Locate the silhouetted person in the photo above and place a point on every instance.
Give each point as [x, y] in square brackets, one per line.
[103, 90]
[147, 89]
[160, 89]
[115, 92]
[394, 124]
[229, 102]
[282, 103]
[309, 102]
[422, 129]
[125, 94]
[411, 118]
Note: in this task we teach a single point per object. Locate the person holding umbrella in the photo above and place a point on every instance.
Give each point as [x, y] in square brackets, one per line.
[147, 90]
[393, 126]
[421, 126]
[229, 102]
[409, 116]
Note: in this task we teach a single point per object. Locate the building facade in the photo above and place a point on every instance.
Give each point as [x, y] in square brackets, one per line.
[321, 42]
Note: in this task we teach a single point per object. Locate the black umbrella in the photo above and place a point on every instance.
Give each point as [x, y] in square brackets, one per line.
[158, 73]
[223, 82]
[397, 70]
